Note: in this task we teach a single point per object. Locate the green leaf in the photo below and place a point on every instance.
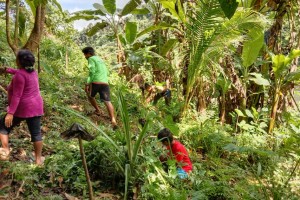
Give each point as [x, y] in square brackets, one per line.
[175, 8]
[249, 114]
[57, 4]
[294, 54]
[131, 32]
[84, 17]
[258, 79]
[98, 26]
[279, 66]
[143, 11]
[223, 83]
[168, 46]
[252, 47]
[160, 26]
[110, 6]
[229, 7]
[239, 113]
[101, 8]
[293, 76]
[22, 23]
[122, 39]
[32, 6]
[259, 169]
[130, 6]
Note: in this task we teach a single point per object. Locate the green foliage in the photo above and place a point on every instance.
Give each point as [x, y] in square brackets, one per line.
[130, 32]
[110, 6]
[229, 7]
[130, 6]
[98, 26]
[252, 47]
[175, 8]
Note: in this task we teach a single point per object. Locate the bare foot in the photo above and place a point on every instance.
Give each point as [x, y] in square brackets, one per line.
[40, 161]
[4, 154]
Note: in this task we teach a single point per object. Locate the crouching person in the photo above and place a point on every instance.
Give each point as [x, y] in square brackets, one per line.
[176, 151]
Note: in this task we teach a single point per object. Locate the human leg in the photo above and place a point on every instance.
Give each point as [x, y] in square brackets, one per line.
[4, 132]
[5, 146]
[110, 109]
[105, 97]
[34, 126]
[38, 146]
[157, 97]
[91, 93]
[167, 97]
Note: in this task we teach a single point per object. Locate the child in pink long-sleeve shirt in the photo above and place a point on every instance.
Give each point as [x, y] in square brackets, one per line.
[24, 103]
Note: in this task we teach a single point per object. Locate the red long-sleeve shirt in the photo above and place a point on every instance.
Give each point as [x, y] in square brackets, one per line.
[181, 156]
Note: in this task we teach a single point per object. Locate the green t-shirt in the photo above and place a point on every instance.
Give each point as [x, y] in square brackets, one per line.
[97, 70]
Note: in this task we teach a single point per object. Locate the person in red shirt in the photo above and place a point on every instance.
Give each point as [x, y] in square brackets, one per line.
[177, 151]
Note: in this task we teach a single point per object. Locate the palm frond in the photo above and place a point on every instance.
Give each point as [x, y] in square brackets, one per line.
[203, 27]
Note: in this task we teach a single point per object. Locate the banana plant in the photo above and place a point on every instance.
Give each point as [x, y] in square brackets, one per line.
[282, 80]
[110, 17]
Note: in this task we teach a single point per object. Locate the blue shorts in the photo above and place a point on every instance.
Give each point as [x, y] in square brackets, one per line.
[33, 123]
[181, 173]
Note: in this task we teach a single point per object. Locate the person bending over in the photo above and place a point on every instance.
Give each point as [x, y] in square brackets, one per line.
[97, 82]
[154, 93]
[176, 151]
[24, 104]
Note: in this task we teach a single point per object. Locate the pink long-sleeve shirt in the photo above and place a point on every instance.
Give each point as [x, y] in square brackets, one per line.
[24, 98]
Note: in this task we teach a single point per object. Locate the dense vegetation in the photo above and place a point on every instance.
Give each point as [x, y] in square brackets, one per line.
[233, 71]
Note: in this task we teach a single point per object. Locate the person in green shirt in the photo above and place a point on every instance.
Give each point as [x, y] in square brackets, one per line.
[97, 82]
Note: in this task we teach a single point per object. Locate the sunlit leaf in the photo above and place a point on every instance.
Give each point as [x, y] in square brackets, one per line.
[258, 79]
[279, 66]
[175, 8]
[239, 112]
[248, 113]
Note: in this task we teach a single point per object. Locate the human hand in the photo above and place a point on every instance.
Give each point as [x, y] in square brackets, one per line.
[2, 70]
[163, 158]
[8, 120]
[87, 89]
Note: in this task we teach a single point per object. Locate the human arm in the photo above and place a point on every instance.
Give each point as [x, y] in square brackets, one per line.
[92, 71]
[7, 70]
[17, 85]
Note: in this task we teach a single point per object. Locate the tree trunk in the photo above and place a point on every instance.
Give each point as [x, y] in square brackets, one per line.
[37, 31]
[235, 97]
[12, 45]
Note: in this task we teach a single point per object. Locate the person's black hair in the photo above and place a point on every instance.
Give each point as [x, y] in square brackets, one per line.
[165, 135]
[89, 50]
[26, 59]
